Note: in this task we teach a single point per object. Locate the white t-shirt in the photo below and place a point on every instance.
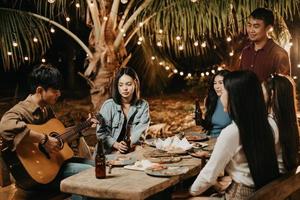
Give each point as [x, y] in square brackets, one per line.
[228, 155]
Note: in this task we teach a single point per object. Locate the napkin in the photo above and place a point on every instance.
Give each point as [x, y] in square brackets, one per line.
[173, 143]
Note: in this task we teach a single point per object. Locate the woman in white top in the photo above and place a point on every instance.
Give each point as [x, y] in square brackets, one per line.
[280, 95]
[245, 149]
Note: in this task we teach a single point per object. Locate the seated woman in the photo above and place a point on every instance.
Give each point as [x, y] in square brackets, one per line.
[280, 95]
[215, 119]
[244, 146]
[125, 115]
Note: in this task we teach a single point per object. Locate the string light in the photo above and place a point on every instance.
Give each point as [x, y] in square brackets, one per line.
[213, 71]
[167, 68]
[180, 47]
[35, 39]
[181, 73]
[124, 34]
[153, 58]
[231, 53]
[105, 18]
[214, 46]
[68, 19]
[43, 60]
[51, 1]
[139, 42]
[220, 68]
[159, 44]
[202, 74]
[175, 71]
[178, 38]
[203, 44]
[77, 5]
[295, 77]
[52, 30]
[9, 53]
[124, 1]
[193, 1]
[196, 43]
[122, 30]
[140, 38]
[298, 65]
[140, 24]
[189, 75]
[228, 39]
[92, 3]
[161, 63]
[160, 31]
[15, 44]
[207, 73]
[26, 58]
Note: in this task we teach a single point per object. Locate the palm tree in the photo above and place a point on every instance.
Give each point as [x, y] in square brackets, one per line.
[162, 25]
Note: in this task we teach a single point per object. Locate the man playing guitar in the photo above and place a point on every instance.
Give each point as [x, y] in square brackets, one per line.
[17, 135]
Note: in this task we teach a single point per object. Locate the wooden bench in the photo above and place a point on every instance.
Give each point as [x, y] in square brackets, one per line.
[287, 186]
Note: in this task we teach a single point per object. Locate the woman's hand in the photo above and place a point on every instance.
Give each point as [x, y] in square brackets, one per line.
[121, 146]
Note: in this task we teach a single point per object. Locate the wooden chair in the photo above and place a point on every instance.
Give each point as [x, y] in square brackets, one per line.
[4, 174]
[287, 186]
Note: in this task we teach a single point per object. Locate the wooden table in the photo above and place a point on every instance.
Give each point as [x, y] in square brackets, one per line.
[126, 184]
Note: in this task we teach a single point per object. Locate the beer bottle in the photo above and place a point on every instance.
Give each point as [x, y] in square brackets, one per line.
[100, 161]
[127, 139]
[198, 113]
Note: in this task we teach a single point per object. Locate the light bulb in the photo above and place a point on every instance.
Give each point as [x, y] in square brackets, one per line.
[52, 30]
[35, 39]
[77, 5]
[9, 53]
[15, 44]
[51, 1]
[68, 19]
[43, 60]
[26, 58]
[124, 1]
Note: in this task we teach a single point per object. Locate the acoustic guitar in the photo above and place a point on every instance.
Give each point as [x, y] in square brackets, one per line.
[31, 164]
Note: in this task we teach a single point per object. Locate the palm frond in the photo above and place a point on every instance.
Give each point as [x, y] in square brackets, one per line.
[17, 37]
[202, 20]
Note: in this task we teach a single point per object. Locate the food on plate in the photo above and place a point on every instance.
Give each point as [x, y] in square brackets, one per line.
[158, 167]
[201, 154]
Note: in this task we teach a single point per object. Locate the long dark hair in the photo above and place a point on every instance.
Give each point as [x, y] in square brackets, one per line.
[248, 110]
[115, 92]
[281, 98]
[211, 100]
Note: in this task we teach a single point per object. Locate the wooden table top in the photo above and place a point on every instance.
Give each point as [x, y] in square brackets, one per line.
[126, 184]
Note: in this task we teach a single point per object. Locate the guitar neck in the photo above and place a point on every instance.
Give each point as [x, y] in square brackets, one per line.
[73, 132]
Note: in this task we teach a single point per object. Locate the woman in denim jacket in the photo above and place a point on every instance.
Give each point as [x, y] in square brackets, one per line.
[125, 115]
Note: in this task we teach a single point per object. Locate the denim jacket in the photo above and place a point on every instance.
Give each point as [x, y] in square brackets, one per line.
[113, 119]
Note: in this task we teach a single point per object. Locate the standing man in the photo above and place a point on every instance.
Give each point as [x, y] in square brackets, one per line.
[263, 56]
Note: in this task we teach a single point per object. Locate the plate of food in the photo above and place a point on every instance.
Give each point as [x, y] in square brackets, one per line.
[163, 160]
[199, 145]
[200, 154]
[120, 160]
[166, 171]
[196, 137]
[151, 142]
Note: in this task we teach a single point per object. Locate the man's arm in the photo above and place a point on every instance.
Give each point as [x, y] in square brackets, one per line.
[282, 63]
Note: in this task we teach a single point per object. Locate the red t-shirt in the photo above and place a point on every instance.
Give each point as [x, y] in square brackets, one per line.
[265, 61]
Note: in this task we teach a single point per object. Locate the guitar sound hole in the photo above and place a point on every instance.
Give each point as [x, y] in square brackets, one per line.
[57, 136]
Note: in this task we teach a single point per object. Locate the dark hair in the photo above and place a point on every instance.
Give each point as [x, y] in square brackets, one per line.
[115, 92]
[46, 76]
[263, 14]
[281, 98]
[211, 100]
[247, 109]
